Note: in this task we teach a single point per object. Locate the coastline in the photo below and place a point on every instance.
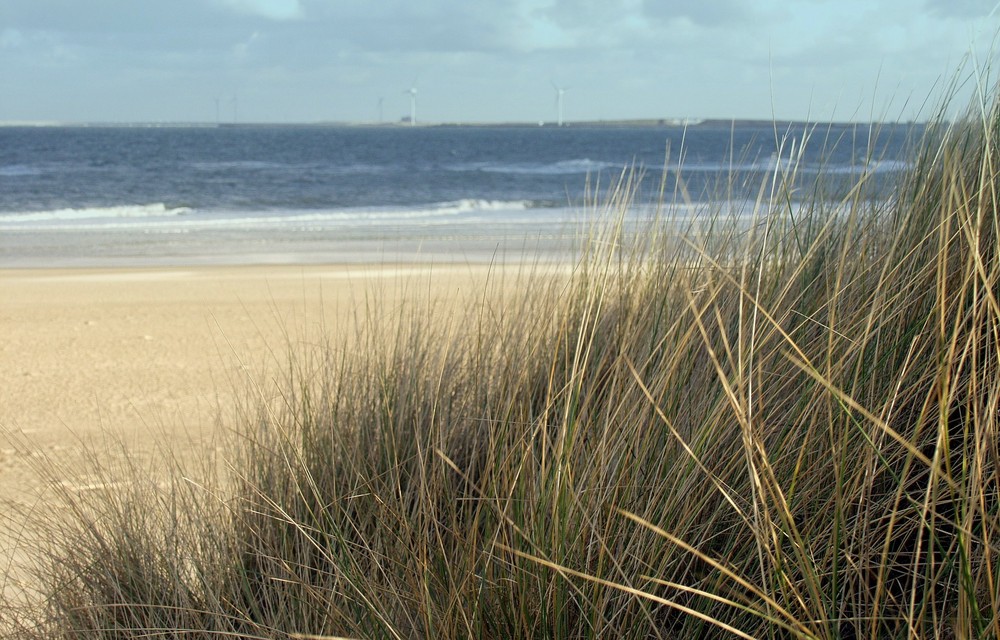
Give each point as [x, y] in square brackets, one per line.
[465, 243]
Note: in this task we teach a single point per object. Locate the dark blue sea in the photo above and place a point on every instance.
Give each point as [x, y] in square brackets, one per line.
[149, 195]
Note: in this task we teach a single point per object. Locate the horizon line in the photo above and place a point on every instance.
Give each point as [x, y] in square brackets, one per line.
[403, 123]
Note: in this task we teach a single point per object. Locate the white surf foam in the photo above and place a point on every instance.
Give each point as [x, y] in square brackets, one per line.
[161, 218]
[561, 167]
[18, 171]
[157, 210]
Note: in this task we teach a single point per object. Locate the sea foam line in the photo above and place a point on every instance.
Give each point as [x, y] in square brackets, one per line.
[161, 216]
[93, 213]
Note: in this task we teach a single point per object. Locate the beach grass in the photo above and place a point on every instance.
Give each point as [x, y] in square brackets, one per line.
[774, 423]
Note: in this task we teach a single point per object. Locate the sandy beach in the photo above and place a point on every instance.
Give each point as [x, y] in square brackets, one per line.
[149, 354]
[161, 359]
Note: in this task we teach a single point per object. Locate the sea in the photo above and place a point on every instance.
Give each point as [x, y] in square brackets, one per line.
[135, 196]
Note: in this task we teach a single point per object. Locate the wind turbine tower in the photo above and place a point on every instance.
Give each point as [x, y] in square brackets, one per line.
[413, 104]
[559, 103]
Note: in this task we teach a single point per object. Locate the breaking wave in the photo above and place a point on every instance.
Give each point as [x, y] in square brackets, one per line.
[161, 216]
[157, 210]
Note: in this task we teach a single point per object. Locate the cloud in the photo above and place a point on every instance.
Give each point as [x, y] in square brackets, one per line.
[675, 49]
[271, 9]
[33, 48]
[704, 12]
[242, 49]
[408, 26]
[591, 13]
[963, 8]
[11, 39]
[638, 25]
[107, 16]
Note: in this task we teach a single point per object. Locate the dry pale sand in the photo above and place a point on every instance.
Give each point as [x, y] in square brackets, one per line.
[162, 357]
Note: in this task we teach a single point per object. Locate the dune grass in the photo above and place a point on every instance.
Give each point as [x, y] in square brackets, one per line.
[781, 424]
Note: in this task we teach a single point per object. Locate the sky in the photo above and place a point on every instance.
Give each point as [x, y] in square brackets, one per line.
[488, 60]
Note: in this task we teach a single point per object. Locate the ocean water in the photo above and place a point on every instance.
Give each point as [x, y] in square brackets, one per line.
[119, 196]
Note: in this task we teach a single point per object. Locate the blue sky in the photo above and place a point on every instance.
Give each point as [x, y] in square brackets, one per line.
[485, 60]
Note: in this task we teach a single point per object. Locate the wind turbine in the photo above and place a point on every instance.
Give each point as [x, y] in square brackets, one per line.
[413, 103]
[380, 101]
[559, 102]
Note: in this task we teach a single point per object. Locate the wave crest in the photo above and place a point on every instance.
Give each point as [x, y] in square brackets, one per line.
[561, 167]
[156, 210]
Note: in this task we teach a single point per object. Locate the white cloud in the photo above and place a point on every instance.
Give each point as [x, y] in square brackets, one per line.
[36, 48]
[11, 39]
[272, 9]
[242, 49]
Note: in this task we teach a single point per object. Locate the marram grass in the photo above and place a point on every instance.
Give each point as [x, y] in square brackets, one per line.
[784, 427]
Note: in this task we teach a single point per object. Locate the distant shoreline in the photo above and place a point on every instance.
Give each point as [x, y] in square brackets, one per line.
[639, 123]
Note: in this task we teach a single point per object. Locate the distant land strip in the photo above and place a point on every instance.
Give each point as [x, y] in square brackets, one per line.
[627, 123]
